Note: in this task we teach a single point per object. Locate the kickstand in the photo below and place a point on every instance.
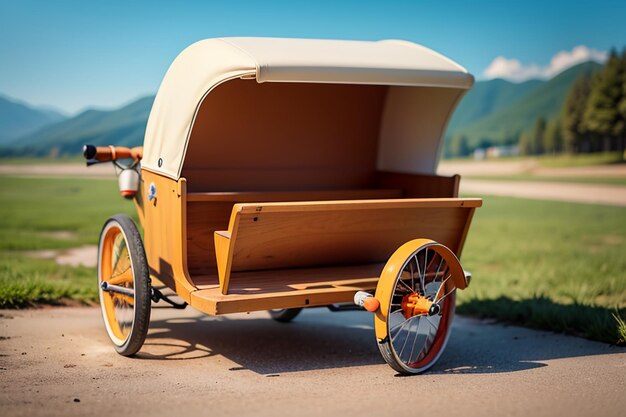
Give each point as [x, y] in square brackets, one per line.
[157, 296]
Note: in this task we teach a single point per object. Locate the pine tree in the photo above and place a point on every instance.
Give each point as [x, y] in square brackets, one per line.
[552, 140]
[538, 136]
[573, 130]
[622, 108]
[459, 146]
[602, 117]
[524, 144]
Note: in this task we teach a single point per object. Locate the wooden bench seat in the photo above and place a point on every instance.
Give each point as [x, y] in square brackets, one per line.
[314, 234]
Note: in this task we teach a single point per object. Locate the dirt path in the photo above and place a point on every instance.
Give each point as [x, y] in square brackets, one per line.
[60, 362]
[72, 170]
[528, 166]
[614, 195]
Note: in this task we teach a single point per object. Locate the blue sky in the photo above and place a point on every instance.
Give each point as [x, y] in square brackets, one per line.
[78, 54]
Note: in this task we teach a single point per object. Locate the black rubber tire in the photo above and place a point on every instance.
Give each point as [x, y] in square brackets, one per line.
[141, 283]
[285, 315]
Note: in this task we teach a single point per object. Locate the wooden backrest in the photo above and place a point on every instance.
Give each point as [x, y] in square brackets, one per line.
[309, 234]
[208, 212]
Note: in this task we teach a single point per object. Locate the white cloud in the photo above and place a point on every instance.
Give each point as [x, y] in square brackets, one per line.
[514, 70]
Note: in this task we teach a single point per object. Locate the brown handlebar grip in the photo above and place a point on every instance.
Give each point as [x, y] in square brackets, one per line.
[111, 153]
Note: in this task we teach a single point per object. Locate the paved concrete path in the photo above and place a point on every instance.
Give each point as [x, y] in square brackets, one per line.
[60, 362]
[614, 195]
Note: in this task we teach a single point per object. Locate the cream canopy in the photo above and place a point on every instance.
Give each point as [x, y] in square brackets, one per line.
[413, 119]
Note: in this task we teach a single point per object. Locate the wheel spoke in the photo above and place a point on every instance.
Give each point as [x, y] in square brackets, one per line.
[442, 288]
[419, 271]
[125, 298]
[438, 268]
[417, 333]
[406, 339]
[423, 277]
[406, 285]
[428, 342]
[123, 278]
[397, 329]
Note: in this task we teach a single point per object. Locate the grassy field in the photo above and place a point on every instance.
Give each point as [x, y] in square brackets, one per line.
[548, 265]
[579, 160]
[32, 213]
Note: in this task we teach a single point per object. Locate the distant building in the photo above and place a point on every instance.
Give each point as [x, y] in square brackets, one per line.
[480, 154]
[496, 152]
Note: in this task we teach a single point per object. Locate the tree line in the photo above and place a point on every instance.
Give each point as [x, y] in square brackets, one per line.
[592, 119]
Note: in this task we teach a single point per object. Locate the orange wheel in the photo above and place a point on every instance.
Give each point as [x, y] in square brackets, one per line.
[417, 299]
[124, 284]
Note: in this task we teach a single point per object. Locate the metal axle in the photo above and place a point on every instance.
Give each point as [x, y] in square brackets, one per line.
[117, 289]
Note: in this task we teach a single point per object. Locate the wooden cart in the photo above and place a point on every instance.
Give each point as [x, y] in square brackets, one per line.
[279, 174]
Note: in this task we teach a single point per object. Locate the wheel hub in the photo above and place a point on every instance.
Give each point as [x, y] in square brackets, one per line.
[415, 305]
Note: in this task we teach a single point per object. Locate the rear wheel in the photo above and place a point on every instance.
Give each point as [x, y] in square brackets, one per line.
[285, 315]
[124, 284]
[417, 295]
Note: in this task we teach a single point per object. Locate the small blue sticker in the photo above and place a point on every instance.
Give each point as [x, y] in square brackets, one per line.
[152, 192]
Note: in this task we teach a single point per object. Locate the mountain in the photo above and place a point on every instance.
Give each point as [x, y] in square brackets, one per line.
[18, 119]
[498, 110]
[124, 126]
[487, 97]
[495, 111]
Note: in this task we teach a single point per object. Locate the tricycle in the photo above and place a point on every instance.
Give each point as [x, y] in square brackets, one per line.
[282, 174]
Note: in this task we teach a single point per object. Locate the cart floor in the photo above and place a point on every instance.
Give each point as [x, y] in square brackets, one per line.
[284, 288]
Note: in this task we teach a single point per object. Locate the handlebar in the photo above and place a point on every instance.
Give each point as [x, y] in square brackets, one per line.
[111, 153]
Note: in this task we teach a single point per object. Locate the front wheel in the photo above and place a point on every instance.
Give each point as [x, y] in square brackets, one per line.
[124, 284]
[417, 292]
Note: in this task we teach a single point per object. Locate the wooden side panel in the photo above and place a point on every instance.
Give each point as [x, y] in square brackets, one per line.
[203, 219]
[165, 233]
[420, 185]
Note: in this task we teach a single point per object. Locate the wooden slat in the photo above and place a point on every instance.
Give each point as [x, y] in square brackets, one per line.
[314, 195]
[349, 205]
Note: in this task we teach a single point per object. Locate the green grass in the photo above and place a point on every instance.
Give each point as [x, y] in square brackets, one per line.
[541, 178]
[32, 213]
[27, 282]
[33, 209]
[550, 265]
[579, 160]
